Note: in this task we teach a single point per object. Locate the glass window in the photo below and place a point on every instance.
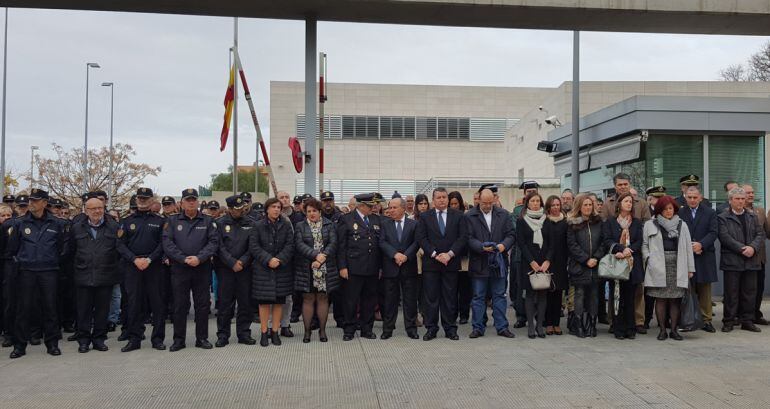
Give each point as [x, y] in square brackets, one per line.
[738, 158]
[669, 157]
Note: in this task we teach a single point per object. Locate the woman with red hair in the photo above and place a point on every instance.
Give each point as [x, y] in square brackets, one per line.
[667, 253]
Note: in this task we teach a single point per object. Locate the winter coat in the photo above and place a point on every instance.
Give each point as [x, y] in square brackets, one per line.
[558, 233]
[732, 240]
[531, 251]
[305, 254]
[612, 245]
[268, 240]
[655, 257]
[96, 259]
[585, 241]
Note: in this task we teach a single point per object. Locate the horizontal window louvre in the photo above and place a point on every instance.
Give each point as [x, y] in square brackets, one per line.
[332, 126]
[489, 129]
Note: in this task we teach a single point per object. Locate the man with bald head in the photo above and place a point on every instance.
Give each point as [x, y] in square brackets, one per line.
[94, 242]
[490, 237]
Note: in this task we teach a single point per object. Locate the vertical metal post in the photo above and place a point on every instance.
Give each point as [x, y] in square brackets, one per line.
[576, 112]
[705, 185]
[5, 72]
[310, 105]
[85, 143]
[235, 112]
[321, 104]
[112, 152]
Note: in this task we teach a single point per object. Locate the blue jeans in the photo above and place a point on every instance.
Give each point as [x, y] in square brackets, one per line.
[114, 316]
[496, 286]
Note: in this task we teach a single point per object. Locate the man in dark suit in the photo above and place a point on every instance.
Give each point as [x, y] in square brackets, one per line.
[399, 269]
[442, 235]
[702, 223]
[358, 259]
[685, 182]
[490, 236]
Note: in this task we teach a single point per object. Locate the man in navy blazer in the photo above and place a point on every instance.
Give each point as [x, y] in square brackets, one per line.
[490, 235]
[701, 220]
[442, 235]
[399, 269]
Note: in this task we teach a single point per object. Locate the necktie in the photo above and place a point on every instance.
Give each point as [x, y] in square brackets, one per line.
[693, 213]
[399, 230]
[366, 221]
[441, 224]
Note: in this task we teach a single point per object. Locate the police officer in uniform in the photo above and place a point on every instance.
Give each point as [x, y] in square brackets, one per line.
[685, 182]
[330, 211]
[141, 247]
[170, 208]
[359, 262]
[234, 272]
[37, 243]
[190, 240]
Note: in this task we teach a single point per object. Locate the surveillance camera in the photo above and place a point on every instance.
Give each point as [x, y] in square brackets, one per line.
[553, 120]
[540, 107]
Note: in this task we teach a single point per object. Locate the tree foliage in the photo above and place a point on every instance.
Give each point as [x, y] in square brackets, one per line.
[224, 181]
[757, 68]
[63, 175]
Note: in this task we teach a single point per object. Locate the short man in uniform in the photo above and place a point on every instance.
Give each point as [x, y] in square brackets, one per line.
[190, 240]
[684, 183]
[329, 211]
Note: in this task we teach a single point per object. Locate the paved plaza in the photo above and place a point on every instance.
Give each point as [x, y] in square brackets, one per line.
[704, 371]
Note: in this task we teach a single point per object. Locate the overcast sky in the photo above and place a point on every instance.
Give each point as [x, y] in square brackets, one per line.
[170, 74]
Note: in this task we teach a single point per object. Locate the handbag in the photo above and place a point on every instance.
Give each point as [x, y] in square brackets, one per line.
[612, 268]
[691, 318]
[540, 280]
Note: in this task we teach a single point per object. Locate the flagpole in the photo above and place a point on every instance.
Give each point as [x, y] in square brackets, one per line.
[235, 111]
[5, 70]
[321, 103]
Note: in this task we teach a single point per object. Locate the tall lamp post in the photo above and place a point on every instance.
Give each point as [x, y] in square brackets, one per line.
[32, 150]
[89, 65]
[112, 110]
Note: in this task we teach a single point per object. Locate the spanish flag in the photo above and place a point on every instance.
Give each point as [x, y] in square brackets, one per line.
[229, 99]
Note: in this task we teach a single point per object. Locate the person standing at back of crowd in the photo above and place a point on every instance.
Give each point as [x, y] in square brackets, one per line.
[684, 183]
[6, 214]
[464, 289]
[556, 226]
[422, 205]
[567, 200]
[190, 240]
[516, 283]
[762, 252]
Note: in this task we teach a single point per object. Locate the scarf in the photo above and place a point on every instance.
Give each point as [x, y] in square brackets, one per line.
[556, 219]
[535, 222]
[625, 236]
[671, 226]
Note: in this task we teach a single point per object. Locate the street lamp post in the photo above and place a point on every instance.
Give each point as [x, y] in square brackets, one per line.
[85, 144]
[32, 150]
[112, 110]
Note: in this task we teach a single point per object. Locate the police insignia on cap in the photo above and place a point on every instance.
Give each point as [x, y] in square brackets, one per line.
[238, 200]
[189, 191]
[27, 231]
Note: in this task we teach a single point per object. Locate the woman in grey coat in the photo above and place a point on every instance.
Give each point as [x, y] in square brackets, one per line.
[315, 264]
[669, 261]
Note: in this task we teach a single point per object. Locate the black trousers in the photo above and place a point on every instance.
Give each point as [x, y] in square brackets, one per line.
[601, 295]
[66, 301]
[397, 289]
[234, 287]
[516, 291]
[740, 296]
[37, 289]
[93, 306]
[360, 290]
[464, 295]
[760, 292]
[141, 285]
[440, 289]
[553, 308]
[168, 291]
[337, 299]
[183, 280]
[624, 321]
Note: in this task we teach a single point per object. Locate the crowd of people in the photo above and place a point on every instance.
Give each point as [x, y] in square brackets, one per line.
[438, 260]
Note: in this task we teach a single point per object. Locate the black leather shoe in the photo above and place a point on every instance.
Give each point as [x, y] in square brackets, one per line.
[749, 326]
[100, 346]
[429, 336]
[640, 329]
[506, 333]
[123, 336]
[7, 343]
[264, 340]
[73, 337]
[286, 332]
[306, 338]
[37, 341]
[462, 321]
[176, 346]
[475, 334]
[347, 337]
[708, 327]
[453, 337]
[18, 352]
[275, 339]
[662, 336]
[369, 335]
[131, 346]
[83, 348]
[111, 327]
[761, 321]
[203, 344]
[386, 335]
[69, 329]
[727, 327]
[676, 336]
[294, 320]
[322, 337]
[413, 335]
[53, 349]
[221, 342]
[247, 341]
[631, 335]
[520, 324]
[159, 346]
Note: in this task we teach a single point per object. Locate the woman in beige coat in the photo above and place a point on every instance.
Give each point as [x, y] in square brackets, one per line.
[669, 263]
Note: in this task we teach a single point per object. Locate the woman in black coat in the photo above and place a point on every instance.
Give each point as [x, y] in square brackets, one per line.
[623, 238]
[533, 238]
[556, 225]
[272, 246]
[586, 248]
[315, 266]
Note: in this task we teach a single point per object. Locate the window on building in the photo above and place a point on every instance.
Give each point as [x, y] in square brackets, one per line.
[738, 158]
[669, 157]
